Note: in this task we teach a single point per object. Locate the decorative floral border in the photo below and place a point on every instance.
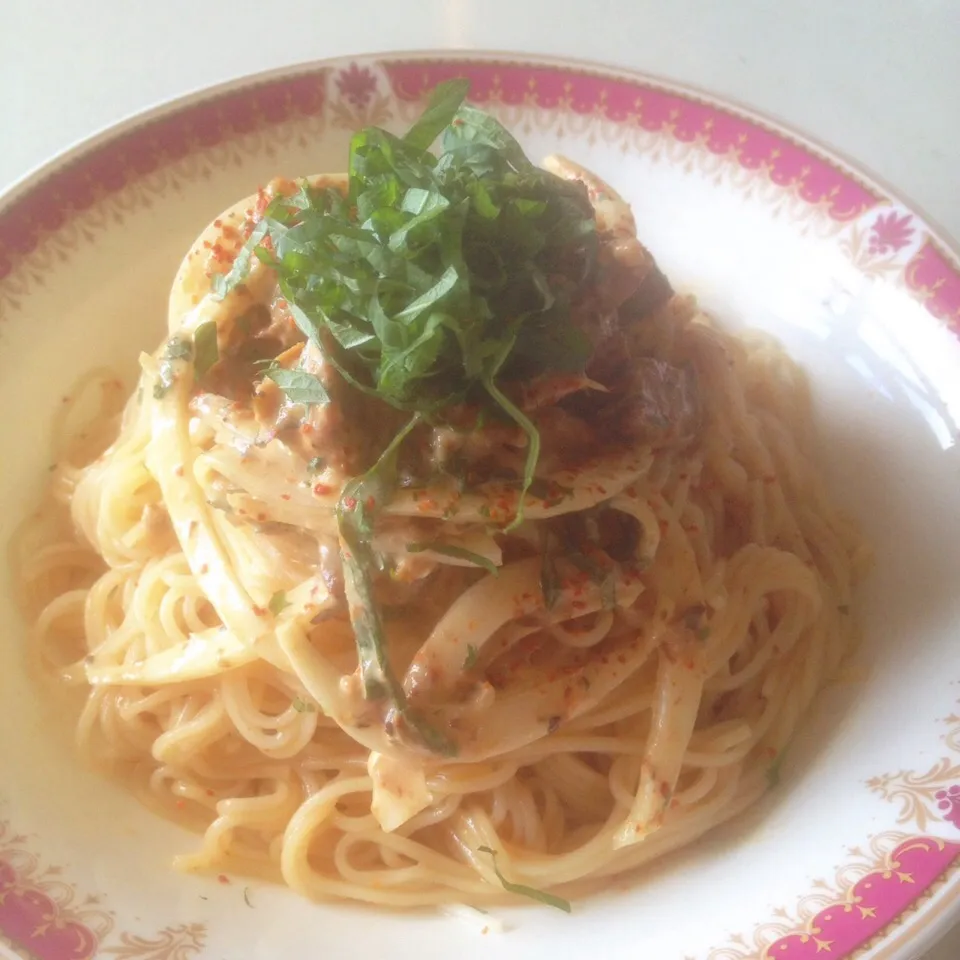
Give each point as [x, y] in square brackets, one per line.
[929, 797]
[70, 203]
[878, 889]
[46, 916]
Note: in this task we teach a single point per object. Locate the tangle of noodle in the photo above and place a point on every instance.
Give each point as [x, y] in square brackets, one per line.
[177, 576]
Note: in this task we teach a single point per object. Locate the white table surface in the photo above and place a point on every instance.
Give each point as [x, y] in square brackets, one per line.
[878, 80]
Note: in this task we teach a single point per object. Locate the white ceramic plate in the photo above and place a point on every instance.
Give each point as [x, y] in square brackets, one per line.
[857, 853]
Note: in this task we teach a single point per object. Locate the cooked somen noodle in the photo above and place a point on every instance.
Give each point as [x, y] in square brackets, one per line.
[443, 552]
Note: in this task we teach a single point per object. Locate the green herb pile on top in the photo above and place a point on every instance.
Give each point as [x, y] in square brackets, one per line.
[436, 280]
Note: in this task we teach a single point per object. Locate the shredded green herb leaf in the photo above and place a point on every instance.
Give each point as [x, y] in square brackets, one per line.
[222, 284]
[470, 660]
[316, 464]
[549, 575]
[278, 602]
[357, 508]
[206, 352]
[302, 706]
[774, 770]
[165, 380]
[178, 349]
[298, 385]
[449, 550]
[443, 105]
[603, 576]
[523, 890]
[434, 281]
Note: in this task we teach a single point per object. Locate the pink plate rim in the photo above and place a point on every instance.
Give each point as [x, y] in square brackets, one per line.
[61, 190]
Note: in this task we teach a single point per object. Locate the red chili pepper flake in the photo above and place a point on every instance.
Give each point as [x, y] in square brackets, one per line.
[181, 804]
[210, 793]
[371, 502]
[350, 503]
[259, 611]
[223, 878]
[261, 517]
[178, 471]
[321, 489]
[284, 496]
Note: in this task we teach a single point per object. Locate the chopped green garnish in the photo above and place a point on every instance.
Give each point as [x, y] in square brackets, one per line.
[298, 385]
[302, 706]
[436, 280]
[222, 284]
[316, 464]
[470, 660]
[523, 890]
[165, 380]
[549, 575]
[444, 103]
[603, 576]
[549, 491]
[773, 771]
[206, 351]
[449, 550]
[278, 602]
[357, 508]
[178, 349]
